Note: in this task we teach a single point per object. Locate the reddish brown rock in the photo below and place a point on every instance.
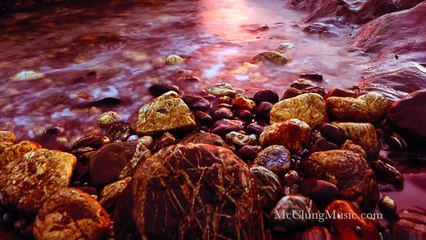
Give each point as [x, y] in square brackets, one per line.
[196, 102]
[13, 153]
[387, 173]
[411, 224]
[265, 95]
[332, 133]
[225, 126]
[39, 174]
[112, 192]
[206, 138]
[409, 114]
[248, 153]
[275, 158]
[165, 140]
[292, 134]
[7, 139]
[243, 102]
[220, 113]
[270, 189]
[335, 166]
[322, 192]
[240, 139]
[350, 224]
[195, 191]
[308, 107]
[71, 214]
[338, 92]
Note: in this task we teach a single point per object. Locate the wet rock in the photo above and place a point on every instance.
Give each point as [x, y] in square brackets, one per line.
[111, 192]
[255, 128]
[107, 118]
[174, 60]
[91, 141]
[203, 118]
[210, 184]
[27, 75]
[248, 153]
[272, 57]
[141, 153]
[225, 126]
[412, 223]
[107, 163]
[322, 145]
[270, 189]
[71, 214]
[263, 110]
[292, 134]
[387, 205]
[363, 134]
[275, 158]
[313, 76]
[335, 166]
[221, 89]
[240, 139]
[332, 133]
[206, 138]
[167, 139]
[13, 153]
[158, 89]
[265, 95]
[119, 131]
[243, 114]
[370, 107]
[123, 221]
[409, 114]
[39, 174]
[291, 92]
[291, 178]
[220, 113]
[309, 107]
[7, 139]
[159, 115]
[147, 141]
[196, 102]
[338, 92]
[281, 218]
[387, 173]
[285, 46]
[307, 86]
[353, 226]
[396, 142]
[322, 192]
[243, 102]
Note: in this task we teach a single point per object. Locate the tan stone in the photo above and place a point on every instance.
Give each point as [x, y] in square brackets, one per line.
[7, 139]
[71, 214]
[14, 152]
[308, 107]
[166, 113]
[39, 174]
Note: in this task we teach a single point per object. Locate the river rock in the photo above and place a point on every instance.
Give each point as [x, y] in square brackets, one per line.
[248, 153]
[174, 60]
[214, 194]
[14, 152]
[39, 174]
[160, 115]
[167, 139]
[107, 118]
[339, 92]
[292, 134]
[141, 153]
[265, 95]
[281, 217]
[221, 89]
[243, 114]
[206, 138]
[272, 57]
[335, 166]
[196, 102]
[309, 107]
[275, 158]
[158, 89]
[7, 139]
[332, 133]
[363, 134]
[225, 126]
[270, 189]
[387, 205]
[322, 192]
[111, 192]
[409, 114]
[71, 214]
[387, 173]
[350, 224]
[240, 139]
[243, 102]
[220, 113]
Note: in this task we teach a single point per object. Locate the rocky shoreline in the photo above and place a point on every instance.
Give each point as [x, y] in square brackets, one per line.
[217, 165]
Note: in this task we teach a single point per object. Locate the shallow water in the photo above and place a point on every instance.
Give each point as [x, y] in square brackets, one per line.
[126, 43]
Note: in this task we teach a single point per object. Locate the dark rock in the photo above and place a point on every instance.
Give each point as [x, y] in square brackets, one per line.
[291, 178]
[158, 89]
[322, 192]
[220, 113]
[270, 189]
[353, 226]
[263, 110]
[212, 188]
[265, 95]
[196, 102]
[206, 138]
[409, 114]
[275, 158]
[243, 114]
[387, 205]
[314, 76]
[167, 139]
[225, 126]
[412, 223]
[119, 131]
[107, 163]
[387, 173]
[123, 220]
[248, 153]
[332, 133]
[203, 118]
[315, 232]
[255, 128]
[291, 92]
[322, 145]
[338, 92]
[92, 141]
[281, 218]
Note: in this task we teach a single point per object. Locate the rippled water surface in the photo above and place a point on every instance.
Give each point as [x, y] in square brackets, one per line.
[126, 42]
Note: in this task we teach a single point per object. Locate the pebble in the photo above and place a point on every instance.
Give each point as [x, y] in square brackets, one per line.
[275, 158]
[174, 60]
[220, 113]
[332, 133]
[248, 153]
[265, 95]
[158, 89]
[108, 118]
[196, 102]
[240, 139]
[263, 110]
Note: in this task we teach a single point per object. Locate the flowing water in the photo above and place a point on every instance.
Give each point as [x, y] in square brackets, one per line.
[126, 42]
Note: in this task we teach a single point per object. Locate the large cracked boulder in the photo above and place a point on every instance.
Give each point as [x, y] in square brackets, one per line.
[196, 191]
[166, 113]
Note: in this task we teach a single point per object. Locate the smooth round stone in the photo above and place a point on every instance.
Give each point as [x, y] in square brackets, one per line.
[322, 192]
[265, 95]
[196, 102]
[291, 178]
[248, 153]
[255, 128]
[263, 109]
[322, 145]
[275, 158]
[269, 186]
[158, 89]
[203, 117]
[243, 114]
[281, 217]
[332, 133]
[387, 205]
[224, 126]
[220, 113]
[291, 92]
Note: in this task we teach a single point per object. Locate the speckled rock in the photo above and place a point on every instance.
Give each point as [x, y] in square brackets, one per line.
[196, 191]
[363, 134]
[275, 158]
[281, 217]
[111, 192]
[292, 134]
[14, 152]
[308, 107]
[108, 118]
[335, 166]
[221, 89]
[270, 189]
[71, 214]
[272, 57]
[39, 174]
[7, 139]
[240, 139]
[160, 115]
[173, 60]
[243, 102]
